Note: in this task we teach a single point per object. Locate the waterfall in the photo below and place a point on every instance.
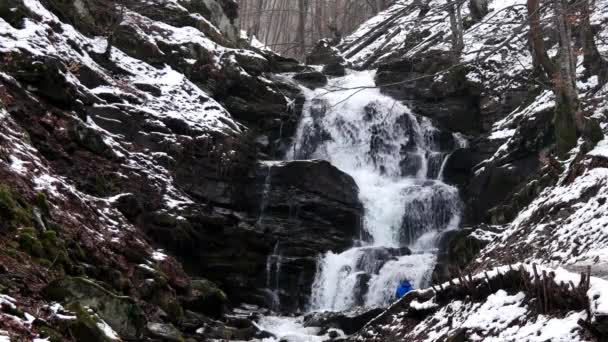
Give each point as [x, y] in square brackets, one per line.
[397, 160]
[266, 191]
[273, 273]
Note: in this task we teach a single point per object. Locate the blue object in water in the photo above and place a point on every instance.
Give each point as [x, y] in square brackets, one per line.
[403, 288]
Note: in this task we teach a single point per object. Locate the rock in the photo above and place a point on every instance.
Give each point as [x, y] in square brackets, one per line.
[457, 249]
[205, 297]
[452, 100]
[87, 326]
[252, 63]
[334, 69]
[120, 312]
[14, 12]
[164, 332]
[46, 75]
[211, 329]
[459, 335]
[348, 322]
[311, 79]
[303, 208]
[324, 53]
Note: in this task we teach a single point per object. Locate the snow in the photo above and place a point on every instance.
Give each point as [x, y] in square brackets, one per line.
[108, 331]
[498, 312]
[500, 317]
[600, 150]
[292, 329]
[159, 255]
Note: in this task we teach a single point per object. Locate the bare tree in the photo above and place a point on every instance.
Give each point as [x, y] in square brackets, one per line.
[302, 6]
[562, 73]
[454, 10]
[290, 27]
[593, 61]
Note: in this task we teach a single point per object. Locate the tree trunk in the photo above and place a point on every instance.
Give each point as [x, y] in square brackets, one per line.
[258, 18]
[564, 83]
[593, 61]
[456, 27]
[478, 8]
[302, 27]
[536, 36]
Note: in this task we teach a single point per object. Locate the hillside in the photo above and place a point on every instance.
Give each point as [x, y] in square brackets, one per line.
[163, 177]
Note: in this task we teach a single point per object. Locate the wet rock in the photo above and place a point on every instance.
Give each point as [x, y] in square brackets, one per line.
[457, 248]
[208, 328]
[311, 79]
[304, 208]
[324, 53]
[206, 297]
[334, 69]
[373, 258]
[120, 312]
[348, 322]
[164, 332]
[452, 101]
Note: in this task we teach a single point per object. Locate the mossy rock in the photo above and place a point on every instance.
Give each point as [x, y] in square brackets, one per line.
[46, 246]
[42, 203]
[29, 243]
[50, 334]
[207, 298]
[14, 211]
[87, 326]
[120, 312]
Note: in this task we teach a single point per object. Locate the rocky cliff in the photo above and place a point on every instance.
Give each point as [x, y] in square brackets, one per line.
[138, 199]
[130, 150]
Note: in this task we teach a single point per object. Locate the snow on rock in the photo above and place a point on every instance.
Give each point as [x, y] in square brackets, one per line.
[500, 316]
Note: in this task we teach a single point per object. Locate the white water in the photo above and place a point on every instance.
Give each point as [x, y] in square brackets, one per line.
[390, 153]
[398, 165]
[291, 329]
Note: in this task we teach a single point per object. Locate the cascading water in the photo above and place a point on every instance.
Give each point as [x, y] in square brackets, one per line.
[397, 160]
[273, 273]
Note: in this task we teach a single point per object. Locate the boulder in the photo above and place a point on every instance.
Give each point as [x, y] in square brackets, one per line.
[164, 332]
[86, 327]
[451, 100]
[334, 69]
[311, 79]
[324, 53]
[457, 248]
[208, 328]
[349, 321]
[120, 312]
[301, 209]
[205, 297]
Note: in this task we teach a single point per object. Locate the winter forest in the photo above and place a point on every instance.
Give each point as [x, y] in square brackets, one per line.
[303, 170]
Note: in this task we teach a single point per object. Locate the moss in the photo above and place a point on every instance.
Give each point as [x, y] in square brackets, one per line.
[565, 126]
[13, 310]
[50, 334]
[11, 252]
[13, 210]
[42, 203]
[85, 327]
[29, 243]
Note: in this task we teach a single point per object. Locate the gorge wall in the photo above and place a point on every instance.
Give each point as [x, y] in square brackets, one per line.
[145, 175]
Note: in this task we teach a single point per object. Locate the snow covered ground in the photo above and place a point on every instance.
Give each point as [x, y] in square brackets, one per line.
[501, 316]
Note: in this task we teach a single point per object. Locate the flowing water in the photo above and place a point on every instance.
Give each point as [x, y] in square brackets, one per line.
[397, 160]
